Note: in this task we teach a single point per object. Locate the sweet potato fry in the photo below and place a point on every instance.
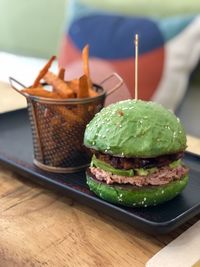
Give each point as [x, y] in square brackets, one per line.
[92, 93]
[43, 72]
[66, 114]
[56, 121]
[60, 87]
[74, 85]
[41, 92]
[48, 128]
[83, 87]
[61, 74]
[64, 150]
[86, 69]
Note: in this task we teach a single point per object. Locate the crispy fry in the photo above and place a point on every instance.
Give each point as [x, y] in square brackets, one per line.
[74, 85]
[61, 74]
[41, 92]
[60, 133]
[83, 87]
[59, 86]
[43, 72]
[56, 121]
[86, 69]
[50, 143]
[83, 92]
[92, 93]
[70, 117]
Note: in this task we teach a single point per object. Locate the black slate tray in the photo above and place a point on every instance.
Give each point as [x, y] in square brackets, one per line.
[16, 153]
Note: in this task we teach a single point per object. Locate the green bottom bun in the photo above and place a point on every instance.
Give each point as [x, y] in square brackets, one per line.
[134, 196]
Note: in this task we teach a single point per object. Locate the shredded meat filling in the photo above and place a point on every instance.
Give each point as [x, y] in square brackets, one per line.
[134, 163]
[163, 176]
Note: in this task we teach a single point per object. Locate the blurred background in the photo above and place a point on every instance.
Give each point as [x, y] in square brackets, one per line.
[169, 47]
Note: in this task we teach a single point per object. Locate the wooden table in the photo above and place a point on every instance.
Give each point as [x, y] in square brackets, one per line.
[42, 228]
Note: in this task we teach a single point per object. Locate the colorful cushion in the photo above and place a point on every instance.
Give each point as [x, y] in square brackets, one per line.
[169, 47]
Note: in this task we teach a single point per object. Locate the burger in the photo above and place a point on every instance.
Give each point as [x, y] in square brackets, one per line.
[137, 149]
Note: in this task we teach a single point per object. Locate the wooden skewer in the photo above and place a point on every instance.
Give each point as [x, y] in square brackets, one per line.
[136, 66]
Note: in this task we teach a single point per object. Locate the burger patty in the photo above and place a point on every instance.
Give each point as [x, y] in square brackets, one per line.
[163, 176]
[134, 163]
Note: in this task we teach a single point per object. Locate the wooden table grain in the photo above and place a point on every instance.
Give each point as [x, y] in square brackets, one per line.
[42, 228]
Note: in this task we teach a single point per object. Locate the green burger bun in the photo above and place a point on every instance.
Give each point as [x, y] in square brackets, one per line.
[134, 196]
[135, 129]
[141, 130]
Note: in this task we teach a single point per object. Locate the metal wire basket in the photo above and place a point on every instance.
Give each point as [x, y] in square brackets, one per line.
[58, 128]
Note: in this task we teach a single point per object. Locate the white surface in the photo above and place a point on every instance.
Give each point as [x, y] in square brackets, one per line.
[24, 69]
[184, 251]
[10, 99]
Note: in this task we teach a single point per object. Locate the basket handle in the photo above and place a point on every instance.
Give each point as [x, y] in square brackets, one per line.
[14, 83]
[117, 86]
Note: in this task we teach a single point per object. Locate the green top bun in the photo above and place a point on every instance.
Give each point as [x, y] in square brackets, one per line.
[133, 128]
